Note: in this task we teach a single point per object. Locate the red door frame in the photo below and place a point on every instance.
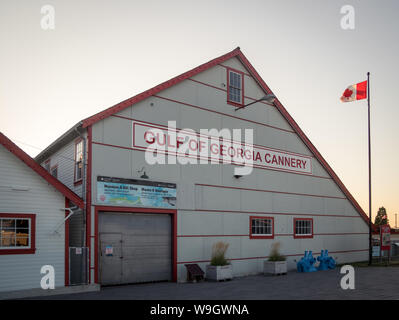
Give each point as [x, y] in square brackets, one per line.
[172, 212]
[66, 244]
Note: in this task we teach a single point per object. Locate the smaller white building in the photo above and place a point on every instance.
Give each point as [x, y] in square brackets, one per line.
[32, 232]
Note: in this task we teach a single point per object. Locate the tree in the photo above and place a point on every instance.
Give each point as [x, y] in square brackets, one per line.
[382, 217]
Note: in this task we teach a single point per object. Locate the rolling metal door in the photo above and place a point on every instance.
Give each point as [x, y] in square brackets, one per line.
[139, 247]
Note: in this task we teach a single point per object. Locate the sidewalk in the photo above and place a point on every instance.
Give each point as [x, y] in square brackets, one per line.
[370, 283]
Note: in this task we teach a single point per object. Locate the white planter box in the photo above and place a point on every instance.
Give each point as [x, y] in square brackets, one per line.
[275, 267]
[218, 273]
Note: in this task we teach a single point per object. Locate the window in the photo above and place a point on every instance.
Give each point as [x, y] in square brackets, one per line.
[235, 84]
[303, 228]
[261, 227]
[54, 171]
[78, 161]
[17, 233]
[47, 165]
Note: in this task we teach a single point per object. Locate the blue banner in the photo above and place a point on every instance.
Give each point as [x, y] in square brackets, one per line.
[135, 193]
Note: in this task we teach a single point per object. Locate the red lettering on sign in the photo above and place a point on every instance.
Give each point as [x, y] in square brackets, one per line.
[298, 163]
[214, 148]
[222, 150]
[201, 145]
[146, 139]
[179, 141]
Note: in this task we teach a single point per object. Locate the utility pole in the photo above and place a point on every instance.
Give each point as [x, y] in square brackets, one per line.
[368, 102]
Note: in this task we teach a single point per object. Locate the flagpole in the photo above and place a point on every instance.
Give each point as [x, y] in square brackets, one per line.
[368, 101]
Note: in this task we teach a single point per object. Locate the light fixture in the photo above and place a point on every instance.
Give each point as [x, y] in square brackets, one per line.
[269, 98]
[144, 175]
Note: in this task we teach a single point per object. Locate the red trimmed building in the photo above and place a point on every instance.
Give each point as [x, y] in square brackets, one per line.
[33, 206]
[143, 222]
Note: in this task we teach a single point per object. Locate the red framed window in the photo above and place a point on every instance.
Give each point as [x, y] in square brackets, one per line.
[78, 168]
[235, 87]
[303, 228]
[17, 233]
[54, 171]
[261, 227]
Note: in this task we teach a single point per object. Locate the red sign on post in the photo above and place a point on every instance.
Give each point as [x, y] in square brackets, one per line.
[385, 236]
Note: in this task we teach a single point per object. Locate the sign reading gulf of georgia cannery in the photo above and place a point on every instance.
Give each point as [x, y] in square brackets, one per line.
[118, 191]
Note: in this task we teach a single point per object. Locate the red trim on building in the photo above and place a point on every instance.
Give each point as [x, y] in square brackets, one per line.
[285, 255]
[271, 191]
[96, 246]
[223, 114]
[272, 213]
[32, 248]
[228, 87]
[227, 67]
[66, 244]
[172, 212]
[88, 194]
[275, 235]
[167, 84]
[14, 149]
[307, 236]
[255, 236]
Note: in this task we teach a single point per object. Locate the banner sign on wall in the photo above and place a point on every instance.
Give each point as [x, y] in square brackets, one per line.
[141, 193]
[385, 237]
[209, 148]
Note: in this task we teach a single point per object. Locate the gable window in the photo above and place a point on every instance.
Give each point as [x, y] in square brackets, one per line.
[261, 227]
[17, 233]
[235, 87]
[303, 228]
[54, 171]
[78, 161]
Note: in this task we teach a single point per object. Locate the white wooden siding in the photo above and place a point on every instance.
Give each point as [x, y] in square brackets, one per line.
[65, 159]
[22, 271]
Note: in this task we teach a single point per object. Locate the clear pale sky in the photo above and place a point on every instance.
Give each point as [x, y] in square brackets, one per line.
[102, 52]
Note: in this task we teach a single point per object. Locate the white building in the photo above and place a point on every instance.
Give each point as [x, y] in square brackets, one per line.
[136, 233]
[32, 233]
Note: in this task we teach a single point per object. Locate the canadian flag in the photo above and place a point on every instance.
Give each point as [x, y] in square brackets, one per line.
[355, 92]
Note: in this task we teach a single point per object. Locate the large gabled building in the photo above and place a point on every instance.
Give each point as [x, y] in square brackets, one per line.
[144, 222]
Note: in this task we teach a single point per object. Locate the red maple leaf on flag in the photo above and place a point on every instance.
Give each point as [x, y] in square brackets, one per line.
[348, 93]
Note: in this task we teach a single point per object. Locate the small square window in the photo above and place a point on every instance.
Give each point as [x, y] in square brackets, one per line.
[17, 233]
[303, 228]
[261, 227]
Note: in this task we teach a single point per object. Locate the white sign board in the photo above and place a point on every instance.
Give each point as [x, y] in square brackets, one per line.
[200, 146]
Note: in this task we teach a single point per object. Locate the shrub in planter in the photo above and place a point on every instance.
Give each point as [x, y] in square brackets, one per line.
[220, 268]
[276, 264]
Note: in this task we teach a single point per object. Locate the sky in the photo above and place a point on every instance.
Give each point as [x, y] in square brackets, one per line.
[102, 52]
